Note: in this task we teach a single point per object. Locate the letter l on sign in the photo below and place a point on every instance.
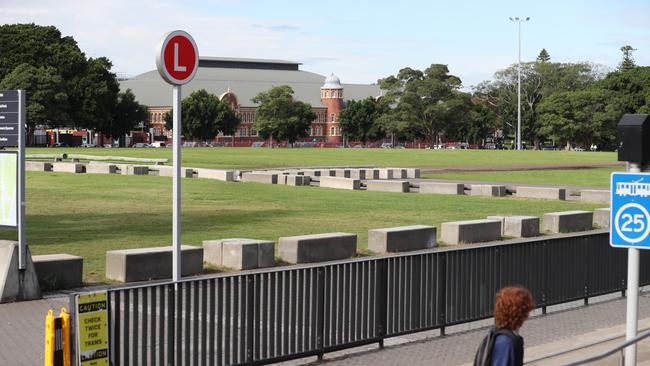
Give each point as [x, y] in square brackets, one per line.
[177, 67]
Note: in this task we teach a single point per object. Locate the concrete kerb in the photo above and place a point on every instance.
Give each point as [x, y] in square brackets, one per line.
[547, 193]
[260, 178]
[38, 166]
[518, 226]
[442, 188]
[317, 247]
[400, 186]
[15, 284]
[239, 253]
[142, 264]
[67, 167]
[168, 171]
[340, 183]
[601, 217]
[595, 195]
[488, 190]
[218, 174]
[401, 239]
[101, 168]
[567, 221]
[470, 231]
[58, 271]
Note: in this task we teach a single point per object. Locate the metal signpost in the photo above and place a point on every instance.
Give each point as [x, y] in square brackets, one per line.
[12, 133]
[177, 59]
[630, 212]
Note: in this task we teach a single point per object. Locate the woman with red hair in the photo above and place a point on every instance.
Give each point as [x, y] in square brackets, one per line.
[511, 309]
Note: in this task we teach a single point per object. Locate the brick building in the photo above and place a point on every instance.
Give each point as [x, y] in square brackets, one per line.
[236, 81]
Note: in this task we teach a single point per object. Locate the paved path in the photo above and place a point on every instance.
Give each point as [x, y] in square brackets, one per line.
[22, 335]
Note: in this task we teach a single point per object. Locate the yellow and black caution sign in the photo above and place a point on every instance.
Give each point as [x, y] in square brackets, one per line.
[57, 339]
[92, 329]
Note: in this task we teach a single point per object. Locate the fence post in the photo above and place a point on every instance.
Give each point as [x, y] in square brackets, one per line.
[382, 300]
[320, 331]
[171, 322]
[442, 299]
[252, 318]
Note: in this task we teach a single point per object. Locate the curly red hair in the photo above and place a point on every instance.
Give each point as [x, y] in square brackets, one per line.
[512, 306]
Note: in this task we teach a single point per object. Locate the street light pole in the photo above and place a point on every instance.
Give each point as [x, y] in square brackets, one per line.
[519, 20]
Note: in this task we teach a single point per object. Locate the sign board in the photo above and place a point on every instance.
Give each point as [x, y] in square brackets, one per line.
[630, 210]
[9, 117]
[9, 188]
[92, 329]
[177, 58]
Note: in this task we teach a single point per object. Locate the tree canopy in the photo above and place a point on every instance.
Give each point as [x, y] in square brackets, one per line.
[204, 116]
[281, 117]
[358, 119]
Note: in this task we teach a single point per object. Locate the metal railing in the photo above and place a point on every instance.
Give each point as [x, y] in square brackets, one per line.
[265, 316]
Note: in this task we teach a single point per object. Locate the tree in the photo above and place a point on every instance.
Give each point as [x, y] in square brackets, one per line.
[358, 120]
[94, 94]
[280, 116]
[426, 102]
[47, 100]
[543, 56]
[128, 114]
[582, 118]
[631, 88]
[204, 116]
[627, 63]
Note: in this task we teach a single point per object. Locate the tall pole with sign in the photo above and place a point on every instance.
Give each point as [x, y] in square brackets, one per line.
[630, 211]
[177, 60]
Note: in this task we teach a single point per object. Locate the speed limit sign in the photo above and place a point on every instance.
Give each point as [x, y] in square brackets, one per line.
[630, 219]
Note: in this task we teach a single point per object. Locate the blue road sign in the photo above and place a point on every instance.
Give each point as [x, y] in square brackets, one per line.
[630, 206]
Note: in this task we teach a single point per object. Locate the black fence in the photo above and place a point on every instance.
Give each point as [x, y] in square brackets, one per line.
[261, 317]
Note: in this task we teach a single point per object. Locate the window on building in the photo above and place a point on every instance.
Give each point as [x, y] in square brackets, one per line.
[332, 131]
[253, 132]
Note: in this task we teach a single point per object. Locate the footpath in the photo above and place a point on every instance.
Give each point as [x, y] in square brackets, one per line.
[566, 326]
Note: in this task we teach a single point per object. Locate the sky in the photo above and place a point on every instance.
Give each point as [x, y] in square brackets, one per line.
[360, 41]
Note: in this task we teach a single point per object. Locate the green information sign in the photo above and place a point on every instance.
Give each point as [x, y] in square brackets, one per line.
[8, 188]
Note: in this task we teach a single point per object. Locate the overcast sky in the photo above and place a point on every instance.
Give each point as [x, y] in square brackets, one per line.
[360, 41]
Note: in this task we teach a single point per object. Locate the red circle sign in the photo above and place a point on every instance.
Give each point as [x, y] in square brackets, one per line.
[177, 58]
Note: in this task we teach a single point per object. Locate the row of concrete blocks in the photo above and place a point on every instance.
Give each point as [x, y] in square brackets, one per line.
[129, 169]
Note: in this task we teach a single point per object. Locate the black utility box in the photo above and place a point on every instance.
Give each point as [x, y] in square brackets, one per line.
[634, 138]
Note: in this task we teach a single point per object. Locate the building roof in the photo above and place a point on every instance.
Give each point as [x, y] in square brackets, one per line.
[332, 82]
[245, 78]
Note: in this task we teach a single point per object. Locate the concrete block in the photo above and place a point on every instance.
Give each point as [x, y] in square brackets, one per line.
[412, 172]
[293, 172]
[567, 221]
[358, 174]
[595, 195]
[38, 166]
[135, 170]
[518, 226]
[386, 173]
[282, 179]
[442, 188]
[311, 172]
[168, 171]
[101, 168]
[58, 271]
[371, 173]
[341, 173]
[401, 239]
[488, 190]
[388, 185]
[239, 253]
[399, 173]
[297, 180]
[16, 285]
[340, 183]
[317, 247]
[142, 264]
[67, 168]
[545, 193]
[471, 231]
[601, 217]
[260, 178]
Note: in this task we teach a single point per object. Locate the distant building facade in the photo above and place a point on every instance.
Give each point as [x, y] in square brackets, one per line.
[236, 81]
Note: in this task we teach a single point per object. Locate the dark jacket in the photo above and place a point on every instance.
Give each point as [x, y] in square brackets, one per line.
[508, 350]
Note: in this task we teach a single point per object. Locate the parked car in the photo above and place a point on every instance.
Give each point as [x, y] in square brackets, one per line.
[386, 145]
[141, 145]
[578, 149]
[60, 144]
[88, 145]
[158, 144]
[548, 147]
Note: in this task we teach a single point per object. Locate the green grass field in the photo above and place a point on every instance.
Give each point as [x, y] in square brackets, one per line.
[596, 177]
[263, 157]
[87, 215]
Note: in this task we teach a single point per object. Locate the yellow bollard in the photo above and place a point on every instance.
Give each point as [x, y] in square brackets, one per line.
[49, 338]
[65, 334]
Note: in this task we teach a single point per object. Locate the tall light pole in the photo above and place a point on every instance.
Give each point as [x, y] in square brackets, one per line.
[518, 21]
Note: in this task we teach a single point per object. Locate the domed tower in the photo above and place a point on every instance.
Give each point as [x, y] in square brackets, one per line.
[331, 95]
